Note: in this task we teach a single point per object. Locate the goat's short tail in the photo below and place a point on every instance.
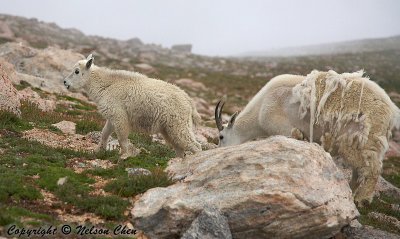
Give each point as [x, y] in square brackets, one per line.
[196, 118]
[396, 123]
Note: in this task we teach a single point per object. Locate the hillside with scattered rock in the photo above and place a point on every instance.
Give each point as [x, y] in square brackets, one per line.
[273, 188]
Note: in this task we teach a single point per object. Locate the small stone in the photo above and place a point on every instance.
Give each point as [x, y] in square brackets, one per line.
[61, 181]
[137, 171]
[112, 145]
[355, 223]
[67, 127]
[81, 165]
[129, 225]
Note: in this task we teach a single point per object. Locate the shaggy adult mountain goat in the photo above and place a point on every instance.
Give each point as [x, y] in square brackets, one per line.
[347, 114]
[131, 101]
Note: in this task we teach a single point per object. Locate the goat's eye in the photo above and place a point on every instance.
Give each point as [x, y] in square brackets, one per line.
[221, 137]
[77, 71]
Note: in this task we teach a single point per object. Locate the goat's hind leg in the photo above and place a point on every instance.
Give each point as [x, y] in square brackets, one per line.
[182, 141]
[368, 175]
[365, 176]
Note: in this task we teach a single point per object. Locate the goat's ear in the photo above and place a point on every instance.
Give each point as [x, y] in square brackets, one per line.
[232, 120]
[89, 61]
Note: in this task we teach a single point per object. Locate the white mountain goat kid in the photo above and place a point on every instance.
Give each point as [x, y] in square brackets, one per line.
[131, 101]
[349, 115]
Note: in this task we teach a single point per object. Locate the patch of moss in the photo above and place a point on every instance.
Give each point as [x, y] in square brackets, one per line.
[156, 150]
[31, 113]
[365, 220]
[50, 175]
[391, 167]
[49, 166]
[382, 204]
[14, 186]
[11, 121]
[146, 160]
[105, 173]
[13, 215]
[39, 44]
[126, 186]
[23, 159]
[5, 40]
[111, 155]
[54, 129]
[22, 85]
[19, 146]
[109, 207]
[86, 126]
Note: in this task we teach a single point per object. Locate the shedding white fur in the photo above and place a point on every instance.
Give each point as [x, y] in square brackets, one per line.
[348, 114]
[308, 100]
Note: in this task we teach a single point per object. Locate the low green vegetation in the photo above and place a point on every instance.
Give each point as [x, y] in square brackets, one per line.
[86, 126]
[385, 204]
[127, 186]
[39, 44]
[36, 117]
[5, 40]
[29, 167]
[13, 215]
[13, 122]
[391, 169]
[22, 85]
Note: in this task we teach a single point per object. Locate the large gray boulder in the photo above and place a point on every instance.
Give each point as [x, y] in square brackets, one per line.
[273, 188]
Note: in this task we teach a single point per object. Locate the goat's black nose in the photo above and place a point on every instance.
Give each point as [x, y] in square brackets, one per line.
[65, 82]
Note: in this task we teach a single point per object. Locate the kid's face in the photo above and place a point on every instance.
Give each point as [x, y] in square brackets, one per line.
[75, 80]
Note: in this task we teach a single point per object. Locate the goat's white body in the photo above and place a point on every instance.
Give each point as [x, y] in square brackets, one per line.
[347, 114]
[133, 102]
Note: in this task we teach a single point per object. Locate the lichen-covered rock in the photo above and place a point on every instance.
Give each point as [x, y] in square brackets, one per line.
[45, 68]
[137, 171]
[67, 127]
[210, 224]
[9, 100]
[273, 188]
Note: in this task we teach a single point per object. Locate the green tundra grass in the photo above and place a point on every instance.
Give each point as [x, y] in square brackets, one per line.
[27, 167]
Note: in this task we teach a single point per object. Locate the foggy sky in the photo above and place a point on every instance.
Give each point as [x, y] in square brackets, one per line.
[220, 27]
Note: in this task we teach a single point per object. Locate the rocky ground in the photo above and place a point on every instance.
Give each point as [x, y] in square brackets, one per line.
[49, 174]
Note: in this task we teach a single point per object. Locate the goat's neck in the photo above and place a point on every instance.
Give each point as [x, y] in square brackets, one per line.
[96, 86]
[247, 125]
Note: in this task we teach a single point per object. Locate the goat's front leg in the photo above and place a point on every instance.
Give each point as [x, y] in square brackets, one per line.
[121, 127]
[105, 134]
